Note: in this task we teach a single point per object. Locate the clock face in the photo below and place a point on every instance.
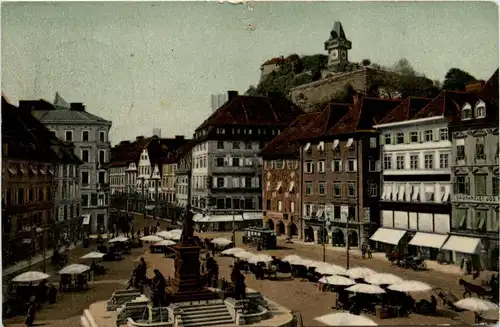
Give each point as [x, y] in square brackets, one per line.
[334, 54]
[343, 54]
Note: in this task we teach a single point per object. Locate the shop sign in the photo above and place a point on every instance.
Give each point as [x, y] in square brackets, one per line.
[476, 198]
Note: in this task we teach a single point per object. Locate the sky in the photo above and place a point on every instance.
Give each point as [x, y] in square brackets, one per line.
[146, 65]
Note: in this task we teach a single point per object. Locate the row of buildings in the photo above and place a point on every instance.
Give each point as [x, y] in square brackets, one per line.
[418, 173]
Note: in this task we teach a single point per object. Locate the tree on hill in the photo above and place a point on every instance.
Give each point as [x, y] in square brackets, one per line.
[457, 79]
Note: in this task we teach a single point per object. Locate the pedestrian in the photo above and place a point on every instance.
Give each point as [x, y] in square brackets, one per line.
[363, 251]
[52, 294]
[30, 317]
[369, 251]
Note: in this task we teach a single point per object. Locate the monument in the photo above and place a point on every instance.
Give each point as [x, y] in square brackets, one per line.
[186, 284]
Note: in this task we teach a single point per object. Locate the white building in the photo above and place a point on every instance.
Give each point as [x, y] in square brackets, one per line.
[416, 184]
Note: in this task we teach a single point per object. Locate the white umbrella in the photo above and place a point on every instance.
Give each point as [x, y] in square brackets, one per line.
[244, 255]
[383, 279]
[74, 269]
[365, 288]
[175, 236]
[93, 255]
[291, 258]
[308, 263]
[164, 234]
[260, 258]
[151, 238]
[476, 305]
[221, 241]
[165, 243]
[30, 276]
[336, 280]
[330, 270]
[96, 236]
[410, 286]
[360, 272]
[345, 319]
[232, 251]
[118, 239]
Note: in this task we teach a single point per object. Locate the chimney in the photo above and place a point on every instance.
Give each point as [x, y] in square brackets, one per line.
[474, 86]
[76, 106]
[231, 95]
[179, 137]
[139, 138]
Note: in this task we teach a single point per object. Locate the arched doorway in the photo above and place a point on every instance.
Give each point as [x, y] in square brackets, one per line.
[309, 234]
[293, 229]
[281, 228]
[338, 237]
[322, 236]
[270, 224]
[353, 238]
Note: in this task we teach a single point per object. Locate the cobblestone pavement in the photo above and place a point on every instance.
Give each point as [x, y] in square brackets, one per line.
[303, 297]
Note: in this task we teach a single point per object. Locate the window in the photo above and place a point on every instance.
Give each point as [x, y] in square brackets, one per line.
[351, 165]
[373, 142]
[236, 145]
[387, 138]
[321, 166]
[460, 152]
[351, 213]
[322, 188]
[102, 136]
[85, 200]
[372, 165]
[480, 148]
[248, 145]
[280, 164]
[85, 155]
[248, 182]
[93, 199]
[400, 162]
[351, 189]
[102, 177]
[85, 136]
[20, 196]
[428, 161]
[85, 178]
[219, 162]
[428, 136]
[309, 167]
[373, 189]
[480, 183]
[220, 182]
[229, 203]
[102, 156]
[444, 160]
[443, 134]
[220, 145]
[462, 185]
[337, 188]
[236, 162]
[68, 136]
[309, 188]
[413, 137]
[462, 217]
[308, 210]
[336, 166]
[413, 161]
[292, 206]
[280, 206]
[387, 162]
[268, 205]
[494, 186]
[466, 112]
[400, 138]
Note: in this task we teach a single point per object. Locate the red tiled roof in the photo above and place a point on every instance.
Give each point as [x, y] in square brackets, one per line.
[174, 157]
[489, 91]
[325, 121]
[448, 104]
[254, 110]
[286, 141]
[405, 110]
[363, 115]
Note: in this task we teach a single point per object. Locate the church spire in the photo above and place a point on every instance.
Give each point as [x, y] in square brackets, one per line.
[60, 103]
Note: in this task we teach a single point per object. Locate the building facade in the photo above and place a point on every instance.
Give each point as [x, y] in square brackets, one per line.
[89, 134]
[415, 200]
[474, 167]
[226, 169]
[28, 186]
[183, 175]
[341, 175]
[169, 170]
[282, 179]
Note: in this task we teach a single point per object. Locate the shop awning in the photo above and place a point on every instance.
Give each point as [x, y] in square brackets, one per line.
[86, 220]
[149, 207]
[462, 244]
[253, 216]
[197, 217]
[220, 218]
[388, 235]
[428, 240]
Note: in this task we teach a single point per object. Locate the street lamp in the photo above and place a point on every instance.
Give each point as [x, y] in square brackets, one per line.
[345, 216]
[326, 223]
[39, 231]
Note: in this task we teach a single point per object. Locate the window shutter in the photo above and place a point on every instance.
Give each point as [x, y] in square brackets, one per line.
[407, 137]
[241, 162]
[226, 182]
[243, 182]
[467, 185]
[230, 161]
[382, 139]
[421, 137]
[355, 164]
[236, 182]
[214, 182]
[436, 135]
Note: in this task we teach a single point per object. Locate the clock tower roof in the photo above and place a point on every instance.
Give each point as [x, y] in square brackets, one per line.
[337, 38]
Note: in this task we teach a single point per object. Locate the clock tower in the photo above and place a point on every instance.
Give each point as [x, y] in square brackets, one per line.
[337, 46]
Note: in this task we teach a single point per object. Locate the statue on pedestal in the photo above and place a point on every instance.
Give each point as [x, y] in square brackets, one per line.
[187, 226]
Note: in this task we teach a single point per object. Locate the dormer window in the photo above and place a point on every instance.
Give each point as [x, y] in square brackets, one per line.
[480, 110]
[466, 112]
